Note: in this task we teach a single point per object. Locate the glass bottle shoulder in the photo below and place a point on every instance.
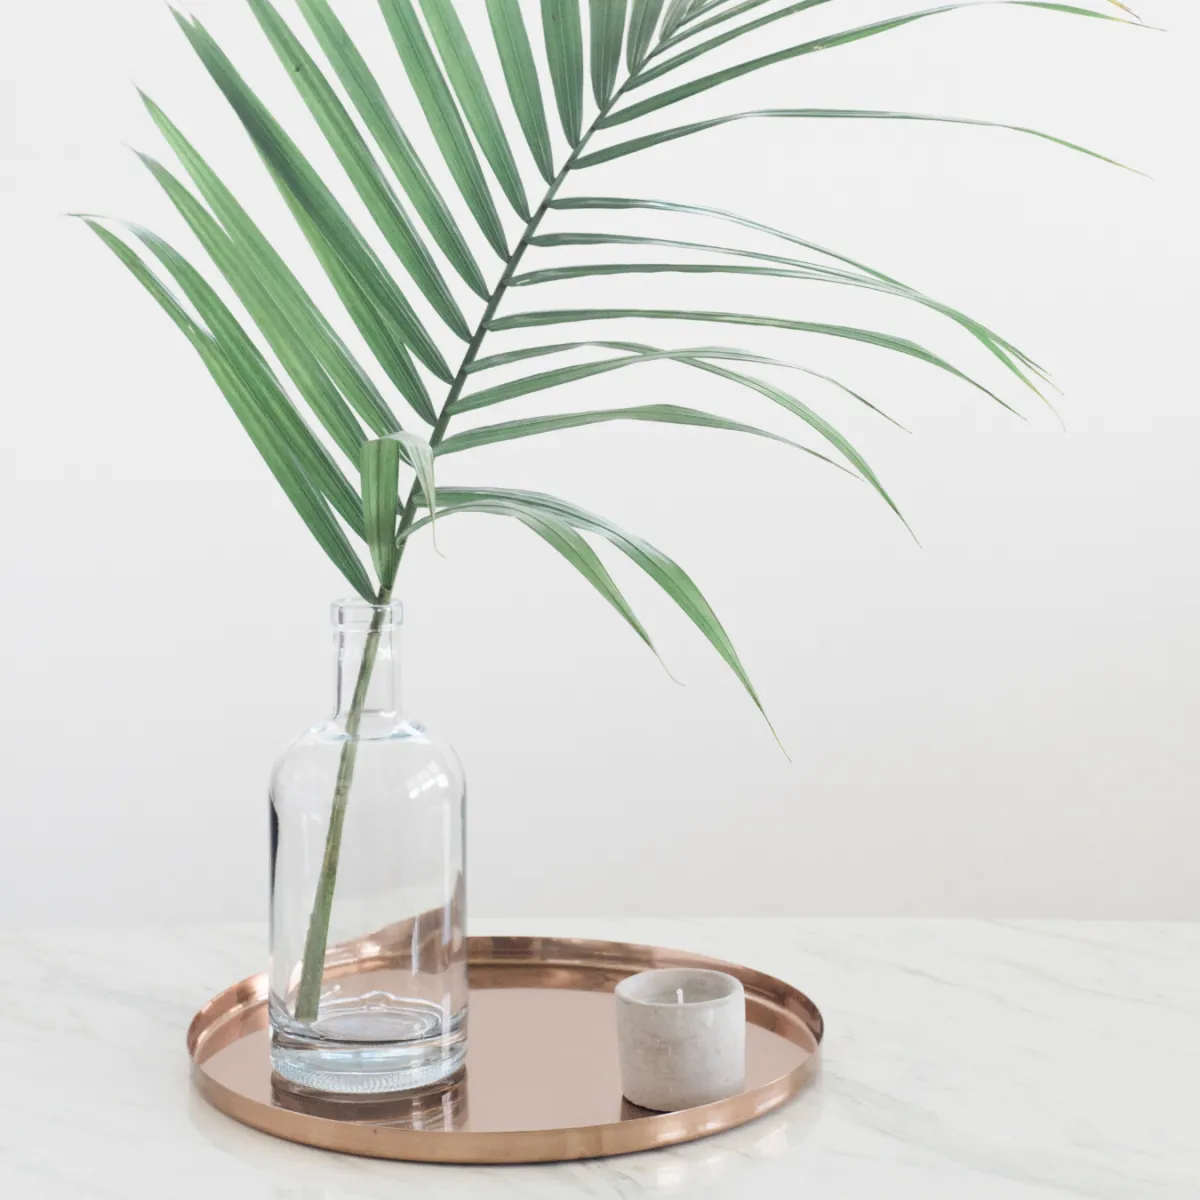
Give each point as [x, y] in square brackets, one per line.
[398, 758]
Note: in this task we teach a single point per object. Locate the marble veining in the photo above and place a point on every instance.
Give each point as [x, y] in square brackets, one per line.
[965, 1060]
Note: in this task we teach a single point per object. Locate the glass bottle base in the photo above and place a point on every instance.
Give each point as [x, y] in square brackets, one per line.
[357, 1053]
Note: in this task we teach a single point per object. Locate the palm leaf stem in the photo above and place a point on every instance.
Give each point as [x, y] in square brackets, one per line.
[498, 293]
[308, 996]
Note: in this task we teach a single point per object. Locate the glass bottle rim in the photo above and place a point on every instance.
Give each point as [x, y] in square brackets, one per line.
[353, 614]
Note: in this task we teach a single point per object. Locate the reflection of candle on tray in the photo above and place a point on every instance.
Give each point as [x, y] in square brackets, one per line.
[681, 1032]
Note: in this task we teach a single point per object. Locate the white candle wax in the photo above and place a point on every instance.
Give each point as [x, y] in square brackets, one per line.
[681, 1034]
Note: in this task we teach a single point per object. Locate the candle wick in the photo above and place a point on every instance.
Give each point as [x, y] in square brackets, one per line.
[679, 995]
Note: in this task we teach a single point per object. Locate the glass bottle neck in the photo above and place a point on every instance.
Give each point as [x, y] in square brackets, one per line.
[366, 640]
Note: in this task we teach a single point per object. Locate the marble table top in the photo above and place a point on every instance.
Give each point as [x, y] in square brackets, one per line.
[964, 1060]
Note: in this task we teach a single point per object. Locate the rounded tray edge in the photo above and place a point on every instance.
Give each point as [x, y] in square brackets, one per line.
[653, 1131]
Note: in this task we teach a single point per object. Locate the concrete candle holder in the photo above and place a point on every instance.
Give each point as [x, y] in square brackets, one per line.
[681, 1034]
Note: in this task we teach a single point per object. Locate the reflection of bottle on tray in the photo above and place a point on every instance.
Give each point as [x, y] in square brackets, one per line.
[440, 1109]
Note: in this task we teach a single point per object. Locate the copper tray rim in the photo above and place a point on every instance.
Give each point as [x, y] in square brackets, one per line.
[771, 1003]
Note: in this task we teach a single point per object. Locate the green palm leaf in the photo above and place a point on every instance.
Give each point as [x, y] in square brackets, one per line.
[640, 354]
[520, 74]
[381, 336]
[469, 86]
[582, 557]
[261, 260]
[445, 74]
[829, 42]
[569, 316]
[621, 203]
[803, 269]
[843, 114]
[276, 408]
[667, 573]
[806, 414]
[442, 115]
[564, 52]
[368, 99]
[642, 21]
[563, 375]
[680, 59]
[558, 377]
[591, 270]
[607, 23]
[303, 496]
[352, 152]
[662, 414]
[694, 356]
[379, 465]
[419, 454]
[560, 535]
[676, 15]
[727, 14]
[292, 351]
[701, 7]
[817, 275]
[305, 191]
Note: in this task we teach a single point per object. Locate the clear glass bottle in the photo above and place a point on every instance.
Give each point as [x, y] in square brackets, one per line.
[368, 974]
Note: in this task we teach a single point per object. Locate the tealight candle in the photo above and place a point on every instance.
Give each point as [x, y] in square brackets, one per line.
[681, 1034]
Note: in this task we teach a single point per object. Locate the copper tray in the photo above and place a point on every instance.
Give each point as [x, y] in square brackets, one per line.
[541, 1082]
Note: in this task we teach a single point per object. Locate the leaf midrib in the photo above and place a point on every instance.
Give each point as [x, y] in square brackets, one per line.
[498, 292]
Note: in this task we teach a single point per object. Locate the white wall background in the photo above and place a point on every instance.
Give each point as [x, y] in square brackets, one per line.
[1000, 722]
